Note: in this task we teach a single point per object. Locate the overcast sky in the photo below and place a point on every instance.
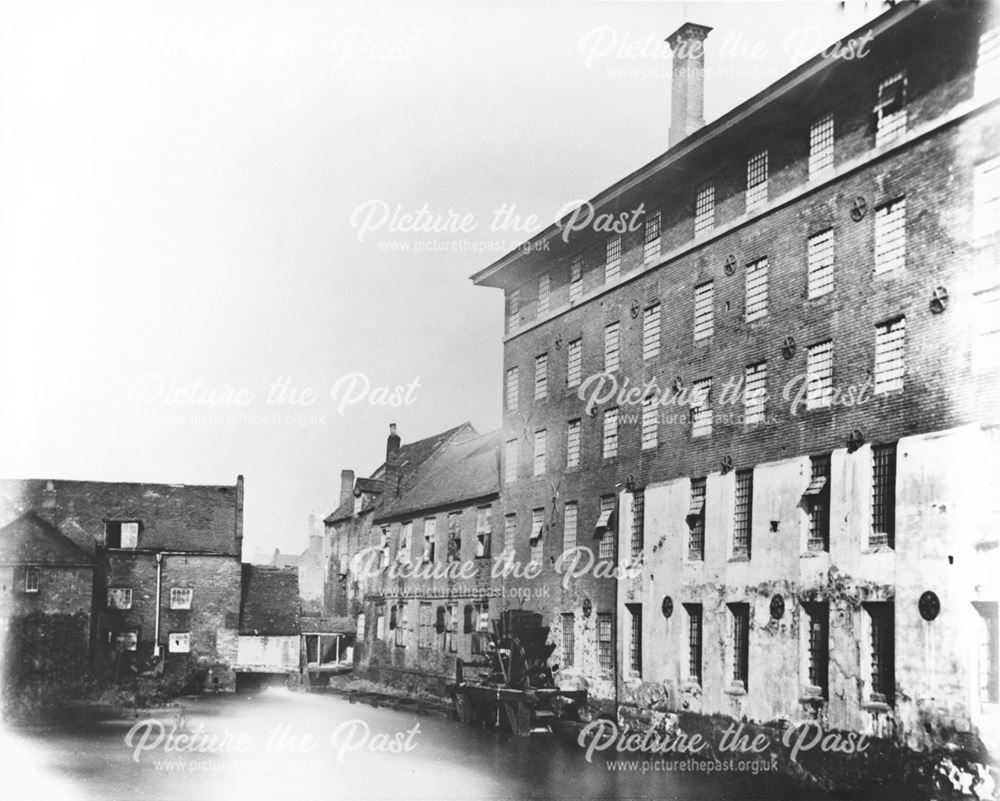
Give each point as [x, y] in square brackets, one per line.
[195, 203]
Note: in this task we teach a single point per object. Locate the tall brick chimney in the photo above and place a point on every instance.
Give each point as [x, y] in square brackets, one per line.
[346, 485]
[391, 466]
[687, 89]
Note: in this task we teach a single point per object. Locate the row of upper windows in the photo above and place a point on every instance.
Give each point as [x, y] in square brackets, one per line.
[815, 500]
[750, 391]
[405, 548]
[890, 116]
[178, 642]
[121, 597]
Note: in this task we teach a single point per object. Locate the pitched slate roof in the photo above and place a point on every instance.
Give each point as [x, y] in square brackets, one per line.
[31, 539]
[410, 459]
[269, 605]
[462, 471]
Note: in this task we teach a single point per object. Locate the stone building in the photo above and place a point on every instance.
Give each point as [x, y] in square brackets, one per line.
[770, 396]
[155, 566]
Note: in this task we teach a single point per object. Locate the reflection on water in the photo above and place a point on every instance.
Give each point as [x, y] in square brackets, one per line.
[276, 744]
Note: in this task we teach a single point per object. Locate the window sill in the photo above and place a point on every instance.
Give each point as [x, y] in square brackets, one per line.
[690, 686]
[807, 554]
[740, 558]
[812, 696]
[736, 688]
[876, 706]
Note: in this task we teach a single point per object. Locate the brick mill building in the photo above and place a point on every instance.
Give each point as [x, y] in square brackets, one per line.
[806, 311]
[152, 569]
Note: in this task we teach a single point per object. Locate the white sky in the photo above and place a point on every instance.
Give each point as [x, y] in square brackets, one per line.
[178, 184]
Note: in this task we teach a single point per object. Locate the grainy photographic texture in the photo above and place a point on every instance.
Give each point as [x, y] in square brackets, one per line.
[688, 493]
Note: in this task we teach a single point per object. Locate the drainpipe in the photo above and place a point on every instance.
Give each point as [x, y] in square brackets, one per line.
[156, 624]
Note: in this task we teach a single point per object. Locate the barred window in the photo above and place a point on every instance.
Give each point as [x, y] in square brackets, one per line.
[541, 443]
[574, 363]
[987, 642]
[576, 279]
[510, 461]
[513, 389]
[610, 445]
[637, 535]
[541, 376]
[755, 394]
[613, 263]
[513, 309]
[568, 640]
[704, 210]
[881, 621]
[694, 620]
[635, 639]
[986, 194]
[180, 597]
[757, 180]
[817, 497]
[890, 236]
[890, 110]
[651, 332]
[883, 496]
[820, 263]
[701, 408]
[890, 355]
[821, 147]
[535, 537]
[704, 310]
[118, 597]
[509, 532]
[756, 289]
[604, 643]
[430, 539]
[743, 513]
[650, 423]
[819, 375]
[606, 528]
[696, 521]
[570, 513]
[651, 238]
[988, 63]
[573, 443]
[611, 345]
[741, 643]
[818, 646]
[544, 294]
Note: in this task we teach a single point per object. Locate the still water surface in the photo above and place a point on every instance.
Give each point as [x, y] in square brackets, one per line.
[268, 756]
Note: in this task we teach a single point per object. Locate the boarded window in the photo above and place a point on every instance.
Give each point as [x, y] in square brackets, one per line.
[541, 376]
[890, 236]
[544, 294]
[405, 542]
[513, 389]
[755, 394]
[890, 355]
[31, 580]
[821, 147]
[611, 345]
[819, 258]
[570, 513]
[541, 446]
[609, 449]
[704, 210]
[756, 289]
[651, 332]
[573, 443]
[574, 363]
[757, 180]
[704, 310]
[121, 533]
[819, 375]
